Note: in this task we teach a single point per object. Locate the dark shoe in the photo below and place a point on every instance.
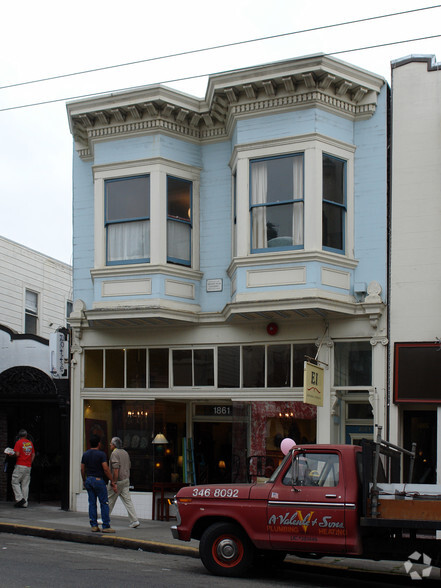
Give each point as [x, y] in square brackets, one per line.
[108, 530]
[20, 503]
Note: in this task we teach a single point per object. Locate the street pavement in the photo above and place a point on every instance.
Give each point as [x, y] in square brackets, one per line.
[50, 522]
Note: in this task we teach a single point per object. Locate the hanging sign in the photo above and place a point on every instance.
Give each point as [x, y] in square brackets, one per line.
[313, 384]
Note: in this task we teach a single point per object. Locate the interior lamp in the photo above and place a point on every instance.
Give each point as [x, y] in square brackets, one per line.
[160, 439]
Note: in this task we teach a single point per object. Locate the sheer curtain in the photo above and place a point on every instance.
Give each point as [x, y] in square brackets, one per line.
[259, 181]
[128, 241]
[178, 240]
[297, 221]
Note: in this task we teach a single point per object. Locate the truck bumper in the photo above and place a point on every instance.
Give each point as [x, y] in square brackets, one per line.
[175, 532]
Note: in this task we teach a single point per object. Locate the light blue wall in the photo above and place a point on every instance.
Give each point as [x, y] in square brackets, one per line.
[146, 147]
[368, 136]
[292, 124]
[371, 196]
[215, 226]
[83, 226]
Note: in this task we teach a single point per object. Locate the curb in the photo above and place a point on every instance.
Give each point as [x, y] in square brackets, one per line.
[99, 539]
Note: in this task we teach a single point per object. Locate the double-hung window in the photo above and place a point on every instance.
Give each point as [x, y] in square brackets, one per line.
[334, 203]
[31, 312]
[127, 219]
[277, 202]
[179, 220]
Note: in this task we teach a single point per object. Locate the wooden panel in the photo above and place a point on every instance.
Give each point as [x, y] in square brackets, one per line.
[410, 510]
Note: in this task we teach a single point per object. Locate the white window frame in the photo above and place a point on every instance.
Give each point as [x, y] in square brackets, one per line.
[158, 169]
[30, 312]
[313, 146]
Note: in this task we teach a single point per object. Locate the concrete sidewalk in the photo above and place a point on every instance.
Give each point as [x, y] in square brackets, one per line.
[50, 522]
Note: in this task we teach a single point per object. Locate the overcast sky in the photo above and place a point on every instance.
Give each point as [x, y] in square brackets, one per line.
[49, 38]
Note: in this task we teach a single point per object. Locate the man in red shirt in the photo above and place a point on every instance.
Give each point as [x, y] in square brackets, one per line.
[21, 476]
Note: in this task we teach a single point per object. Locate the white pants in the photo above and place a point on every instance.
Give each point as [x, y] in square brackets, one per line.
[21, 477]
[122, 487]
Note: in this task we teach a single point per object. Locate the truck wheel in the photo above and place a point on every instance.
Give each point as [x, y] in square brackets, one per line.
[225, 550]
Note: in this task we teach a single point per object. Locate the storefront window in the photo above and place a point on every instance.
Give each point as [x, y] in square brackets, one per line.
[203, 367]
[158, 368]
[253, 365]
[137, 424]
[301, 351]
[353, 363]
[273, 366]
[278, 357]
[182, 368]
[93, 368]
[136, 368]
[114, 368]
[228, 367]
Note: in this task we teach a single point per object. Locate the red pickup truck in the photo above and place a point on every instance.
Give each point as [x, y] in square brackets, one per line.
[321, 500]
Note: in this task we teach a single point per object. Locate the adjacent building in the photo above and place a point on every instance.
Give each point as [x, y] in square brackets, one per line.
[35, 301]
[218, 243]
[415, 261]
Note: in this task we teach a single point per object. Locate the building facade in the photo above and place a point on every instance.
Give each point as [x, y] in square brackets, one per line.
[35, 300]
[218, 243]
[415, 266]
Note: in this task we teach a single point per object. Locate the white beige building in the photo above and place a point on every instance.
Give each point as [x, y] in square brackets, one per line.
[415, 261]
[35, 300]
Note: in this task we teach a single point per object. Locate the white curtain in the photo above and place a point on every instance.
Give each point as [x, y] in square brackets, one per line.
[258, 196]
[297, 221]
[178, 240]
[128, 241]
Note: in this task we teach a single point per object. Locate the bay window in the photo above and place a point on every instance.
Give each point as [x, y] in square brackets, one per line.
[277, 202]
[293, 195]
[127, 220]
[146, 211]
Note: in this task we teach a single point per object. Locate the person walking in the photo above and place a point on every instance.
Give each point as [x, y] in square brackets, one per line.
[120, 469]
[21, 476]
[93, 469]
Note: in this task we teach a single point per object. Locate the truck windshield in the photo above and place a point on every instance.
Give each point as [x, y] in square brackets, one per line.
[279, 467]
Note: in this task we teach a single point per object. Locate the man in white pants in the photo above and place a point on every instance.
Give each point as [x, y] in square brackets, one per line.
[21, 476]
[119, 465]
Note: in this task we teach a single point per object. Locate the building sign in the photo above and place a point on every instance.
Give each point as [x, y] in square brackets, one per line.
[313, 384]
[58, 348]
[213, 410]
[214, 285]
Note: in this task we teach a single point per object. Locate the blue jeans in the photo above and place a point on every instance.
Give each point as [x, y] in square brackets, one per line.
[96, 488]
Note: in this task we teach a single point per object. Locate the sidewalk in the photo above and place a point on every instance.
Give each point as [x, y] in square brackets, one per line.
[50, 522]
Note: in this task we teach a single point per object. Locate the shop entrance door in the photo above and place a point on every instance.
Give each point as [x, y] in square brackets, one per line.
[212, 452]
[420, 427]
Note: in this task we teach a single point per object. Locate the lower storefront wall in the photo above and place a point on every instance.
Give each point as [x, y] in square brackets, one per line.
[142, 501]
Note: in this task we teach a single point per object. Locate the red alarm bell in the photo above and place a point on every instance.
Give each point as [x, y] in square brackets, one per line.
[272, 328]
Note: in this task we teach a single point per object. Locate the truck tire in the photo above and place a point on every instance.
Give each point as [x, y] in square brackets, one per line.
[226, 550]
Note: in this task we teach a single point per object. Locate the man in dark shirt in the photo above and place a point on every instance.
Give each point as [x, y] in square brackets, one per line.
[93, 469]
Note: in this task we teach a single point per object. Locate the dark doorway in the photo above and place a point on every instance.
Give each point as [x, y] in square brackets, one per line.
[29, 399]
[42, 423]
[420, 427]
[213, 452]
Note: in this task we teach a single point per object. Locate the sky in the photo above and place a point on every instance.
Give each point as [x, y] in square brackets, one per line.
[47, 38]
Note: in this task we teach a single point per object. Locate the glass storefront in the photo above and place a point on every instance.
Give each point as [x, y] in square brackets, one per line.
[230, 441]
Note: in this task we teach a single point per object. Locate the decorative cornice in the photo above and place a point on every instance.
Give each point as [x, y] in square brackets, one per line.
[315, 81]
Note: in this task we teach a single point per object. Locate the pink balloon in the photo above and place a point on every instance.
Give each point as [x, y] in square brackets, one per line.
[286, 445]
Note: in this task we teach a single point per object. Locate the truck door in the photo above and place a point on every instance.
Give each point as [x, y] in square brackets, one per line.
[306, 507]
